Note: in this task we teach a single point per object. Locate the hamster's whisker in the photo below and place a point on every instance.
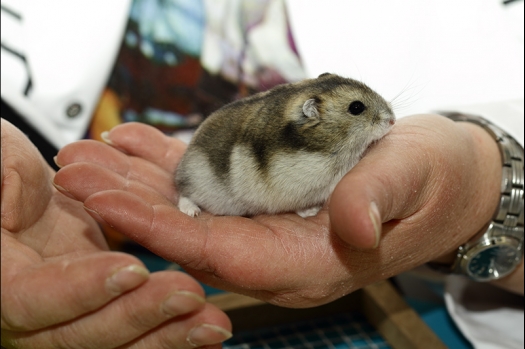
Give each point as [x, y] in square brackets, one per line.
[398, 103]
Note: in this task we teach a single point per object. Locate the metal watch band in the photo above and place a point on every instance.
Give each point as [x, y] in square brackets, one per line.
[508, 218]
[510, 210]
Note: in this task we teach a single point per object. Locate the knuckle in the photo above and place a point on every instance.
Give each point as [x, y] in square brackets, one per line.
[141, 323]
[71, 336]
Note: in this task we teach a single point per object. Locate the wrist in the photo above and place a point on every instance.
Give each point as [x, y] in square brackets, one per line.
[496, 251]
[486, 188]
[485, 193]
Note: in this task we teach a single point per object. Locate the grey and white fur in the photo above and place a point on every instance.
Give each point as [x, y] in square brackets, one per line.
[283, 150]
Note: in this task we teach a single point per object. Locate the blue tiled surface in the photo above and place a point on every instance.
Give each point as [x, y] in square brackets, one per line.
[341, 331]
[437, 318]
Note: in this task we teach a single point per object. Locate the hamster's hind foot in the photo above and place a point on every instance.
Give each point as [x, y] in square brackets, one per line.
[309, 212]
[188, 207]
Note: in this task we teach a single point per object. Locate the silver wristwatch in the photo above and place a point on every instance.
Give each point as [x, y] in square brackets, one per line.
[497, 249]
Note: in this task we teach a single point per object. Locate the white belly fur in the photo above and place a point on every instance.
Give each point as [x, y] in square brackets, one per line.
[294, 181]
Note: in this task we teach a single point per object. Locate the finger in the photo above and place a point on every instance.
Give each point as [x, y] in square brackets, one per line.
[225, 252]
[206, 328]
[166, 231]
[80, 180]
[61, 290]
[130, 167]
[384, 186]
[166, 296]
[148, 143]
[175, 236]
[156, 227]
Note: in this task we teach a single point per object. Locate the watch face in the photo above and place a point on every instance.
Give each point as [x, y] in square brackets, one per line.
[493, 261]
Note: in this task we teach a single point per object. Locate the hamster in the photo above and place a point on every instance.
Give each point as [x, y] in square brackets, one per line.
[282, 150]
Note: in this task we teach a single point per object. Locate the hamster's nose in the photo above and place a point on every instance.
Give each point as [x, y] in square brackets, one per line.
[392, 121]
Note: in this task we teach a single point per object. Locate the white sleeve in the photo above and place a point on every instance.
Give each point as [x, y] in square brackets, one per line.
[56, 57]
[490, 318]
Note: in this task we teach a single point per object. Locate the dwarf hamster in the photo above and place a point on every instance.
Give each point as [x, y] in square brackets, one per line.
[281, 150]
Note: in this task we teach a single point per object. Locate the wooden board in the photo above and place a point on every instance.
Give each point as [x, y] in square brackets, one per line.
[380, 303]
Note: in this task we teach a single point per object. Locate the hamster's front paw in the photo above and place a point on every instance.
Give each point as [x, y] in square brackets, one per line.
[188, 207]
[309, 212]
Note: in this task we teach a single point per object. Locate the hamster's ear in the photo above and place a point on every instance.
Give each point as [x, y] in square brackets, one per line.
[310, 108]
[324, 74]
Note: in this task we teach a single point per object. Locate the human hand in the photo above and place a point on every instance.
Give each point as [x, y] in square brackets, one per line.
[61, 287]
[285, 259]
[442, 186]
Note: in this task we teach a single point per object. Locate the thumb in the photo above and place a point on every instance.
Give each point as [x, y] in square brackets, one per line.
[384, 187]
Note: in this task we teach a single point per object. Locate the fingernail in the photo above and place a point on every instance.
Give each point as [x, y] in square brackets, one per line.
[126, 279]
[63, 191]
[105, 137]
[207, 335]
[182, 302]
[373, 212]
[56, 162]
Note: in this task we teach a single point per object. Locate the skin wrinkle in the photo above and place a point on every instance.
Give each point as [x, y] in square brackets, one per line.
[28, 237]
[408, 201]
[16, 321]
[152, 224]
[63, 204]
[269, 295]
[303, 296]
[449, 192]
[129, 176]
[273, 296]
[300, 296]
[137, 321]
[23, 322]
[422, 176]
[200, 261]
[46, 244]
[301, 254]
[326, 252]
[480, 159]
[61, 339]
[7, 214]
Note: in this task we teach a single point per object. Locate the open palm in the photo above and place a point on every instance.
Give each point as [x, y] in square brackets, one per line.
[61, 286]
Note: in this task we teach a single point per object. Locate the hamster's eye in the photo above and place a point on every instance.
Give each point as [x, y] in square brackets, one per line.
[356, 108]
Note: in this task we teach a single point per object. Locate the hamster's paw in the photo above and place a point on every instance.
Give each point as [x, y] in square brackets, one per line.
[309, 212]
[188, 207]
